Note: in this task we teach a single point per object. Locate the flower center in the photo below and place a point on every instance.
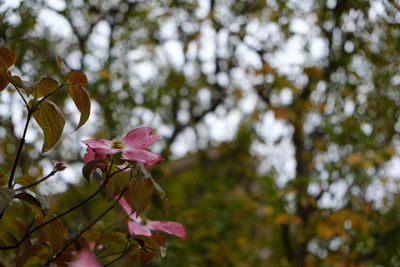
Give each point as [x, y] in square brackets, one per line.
[116, 143]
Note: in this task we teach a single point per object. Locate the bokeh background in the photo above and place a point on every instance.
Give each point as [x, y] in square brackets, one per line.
[279, 120]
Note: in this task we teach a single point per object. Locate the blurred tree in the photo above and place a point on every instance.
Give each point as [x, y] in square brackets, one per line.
[309, 90]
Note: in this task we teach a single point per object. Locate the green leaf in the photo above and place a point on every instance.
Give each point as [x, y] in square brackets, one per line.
[87, 169]
[14, 226]
[6, 194]
[52, 121]
[139, 194]
[44, 87]
[7, 239]
[30, 201]
[82, 102]
[55, 233]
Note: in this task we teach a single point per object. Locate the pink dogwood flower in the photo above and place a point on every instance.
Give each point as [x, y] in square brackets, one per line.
[132, 147]
[85, 258]
[136, 226]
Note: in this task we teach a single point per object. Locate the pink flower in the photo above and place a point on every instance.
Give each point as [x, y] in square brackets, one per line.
[132, 147]
[136, 226]
[85, 258]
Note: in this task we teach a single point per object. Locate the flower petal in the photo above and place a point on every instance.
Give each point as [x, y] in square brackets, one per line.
[172, 228]
[85, 258]
[124, 204]
[101, 147]
[140, 138]
[138, 229]
[91, 155]
[143, 156]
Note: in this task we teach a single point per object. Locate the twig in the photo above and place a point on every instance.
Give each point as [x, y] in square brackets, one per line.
[21, 144]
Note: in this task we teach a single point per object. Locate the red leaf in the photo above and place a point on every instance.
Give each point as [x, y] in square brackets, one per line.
[3, 81]
[77, 77]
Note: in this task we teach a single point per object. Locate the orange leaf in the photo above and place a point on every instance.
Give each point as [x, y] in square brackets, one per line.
[7, 58]
[82, 102]
[77, 77]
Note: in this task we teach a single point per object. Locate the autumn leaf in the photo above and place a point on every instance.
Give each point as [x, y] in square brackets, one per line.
[52, 121]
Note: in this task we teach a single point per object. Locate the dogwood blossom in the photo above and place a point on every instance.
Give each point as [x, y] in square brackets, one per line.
[144, 227]
[132, 147]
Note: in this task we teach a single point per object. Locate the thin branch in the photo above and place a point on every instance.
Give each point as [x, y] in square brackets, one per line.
[21, 144]
[39, 181]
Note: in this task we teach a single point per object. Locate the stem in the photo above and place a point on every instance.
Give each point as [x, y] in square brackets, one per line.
[21, 144]
[72, 240]
[38, 181]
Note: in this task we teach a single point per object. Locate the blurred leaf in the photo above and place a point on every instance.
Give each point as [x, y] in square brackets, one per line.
[3, 179]
[64, 69]
[163, 251]
[112, 239]
[51, 120]
[82, 102]
[6, 194]
[7, 239]
[163, 196]
[14, 226]
[140, 171]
